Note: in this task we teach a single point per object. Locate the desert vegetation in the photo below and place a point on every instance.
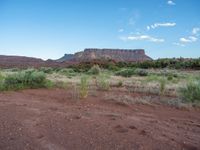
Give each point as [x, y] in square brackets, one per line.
[182, 85]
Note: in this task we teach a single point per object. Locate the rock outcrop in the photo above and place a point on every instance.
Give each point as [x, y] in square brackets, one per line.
[124, 55]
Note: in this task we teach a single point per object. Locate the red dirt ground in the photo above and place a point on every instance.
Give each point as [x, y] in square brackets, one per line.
[51, 120]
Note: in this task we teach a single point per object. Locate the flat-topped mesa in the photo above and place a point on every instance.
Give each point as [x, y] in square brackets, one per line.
[123, 55]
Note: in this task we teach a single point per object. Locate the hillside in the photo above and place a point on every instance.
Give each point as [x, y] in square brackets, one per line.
[19, 61]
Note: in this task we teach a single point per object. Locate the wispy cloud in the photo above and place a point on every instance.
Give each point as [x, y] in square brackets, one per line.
[179, 44]
[170, 2]
[131, 21]
[141, 37]
[156, 25]
[190, 39]
[121, 30]
[195, 31]
[135, 16]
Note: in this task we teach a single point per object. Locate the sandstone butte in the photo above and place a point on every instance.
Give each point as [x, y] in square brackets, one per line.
[125, 55]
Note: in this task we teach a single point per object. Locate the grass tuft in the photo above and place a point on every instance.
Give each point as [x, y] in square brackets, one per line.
[84, 87]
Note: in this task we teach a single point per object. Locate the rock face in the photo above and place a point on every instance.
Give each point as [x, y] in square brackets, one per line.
[125, 55]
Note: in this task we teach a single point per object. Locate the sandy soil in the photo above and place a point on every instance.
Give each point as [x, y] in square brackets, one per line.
[52, 120]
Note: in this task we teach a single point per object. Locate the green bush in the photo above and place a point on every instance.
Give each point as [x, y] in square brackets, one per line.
[125, 72]
[141, 72]
[95, 70]
[25, 79]
[191, 93]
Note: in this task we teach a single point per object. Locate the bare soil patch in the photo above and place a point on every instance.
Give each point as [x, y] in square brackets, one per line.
[51, 120]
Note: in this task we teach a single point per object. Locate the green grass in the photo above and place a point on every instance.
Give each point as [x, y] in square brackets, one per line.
[191, 92]
[162, 83]
[47, 70]
[69, 72]
[161, 80]
[102, 82]
[132, 71]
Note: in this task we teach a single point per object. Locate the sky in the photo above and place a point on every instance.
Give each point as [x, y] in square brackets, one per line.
[48, 29]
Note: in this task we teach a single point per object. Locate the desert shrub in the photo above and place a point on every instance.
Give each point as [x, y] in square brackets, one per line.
[95, 70]
[57, 69]
[169, 74]
[47, 70]
[1, 76]
[169, 78]
[84, 87]
[125, 72]
[102, 82]
[1, 81]
[141, 72]
[25, 79]
[69, 72]
[119, 84]
[191, 92]
[14, 69]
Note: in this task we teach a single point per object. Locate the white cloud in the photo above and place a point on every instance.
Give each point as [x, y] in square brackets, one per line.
[121, 30]
[170, 2]
[141, 37]
[156, 25]
[190, 39]
[195, 31]
[193, 37]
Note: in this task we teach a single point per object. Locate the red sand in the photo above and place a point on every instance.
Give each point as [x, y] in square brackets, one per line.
[51, 120]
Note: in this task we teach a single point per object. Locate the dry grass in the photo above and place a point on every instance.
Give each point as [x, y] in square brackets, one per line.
[126, 99]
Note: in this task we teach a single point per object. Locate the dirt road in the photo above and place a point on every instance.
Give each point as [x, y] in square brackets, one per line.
[51, 120]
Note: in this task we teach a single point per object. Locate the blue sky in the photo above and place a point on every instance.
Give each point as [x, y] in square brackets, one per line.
[50, 28]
